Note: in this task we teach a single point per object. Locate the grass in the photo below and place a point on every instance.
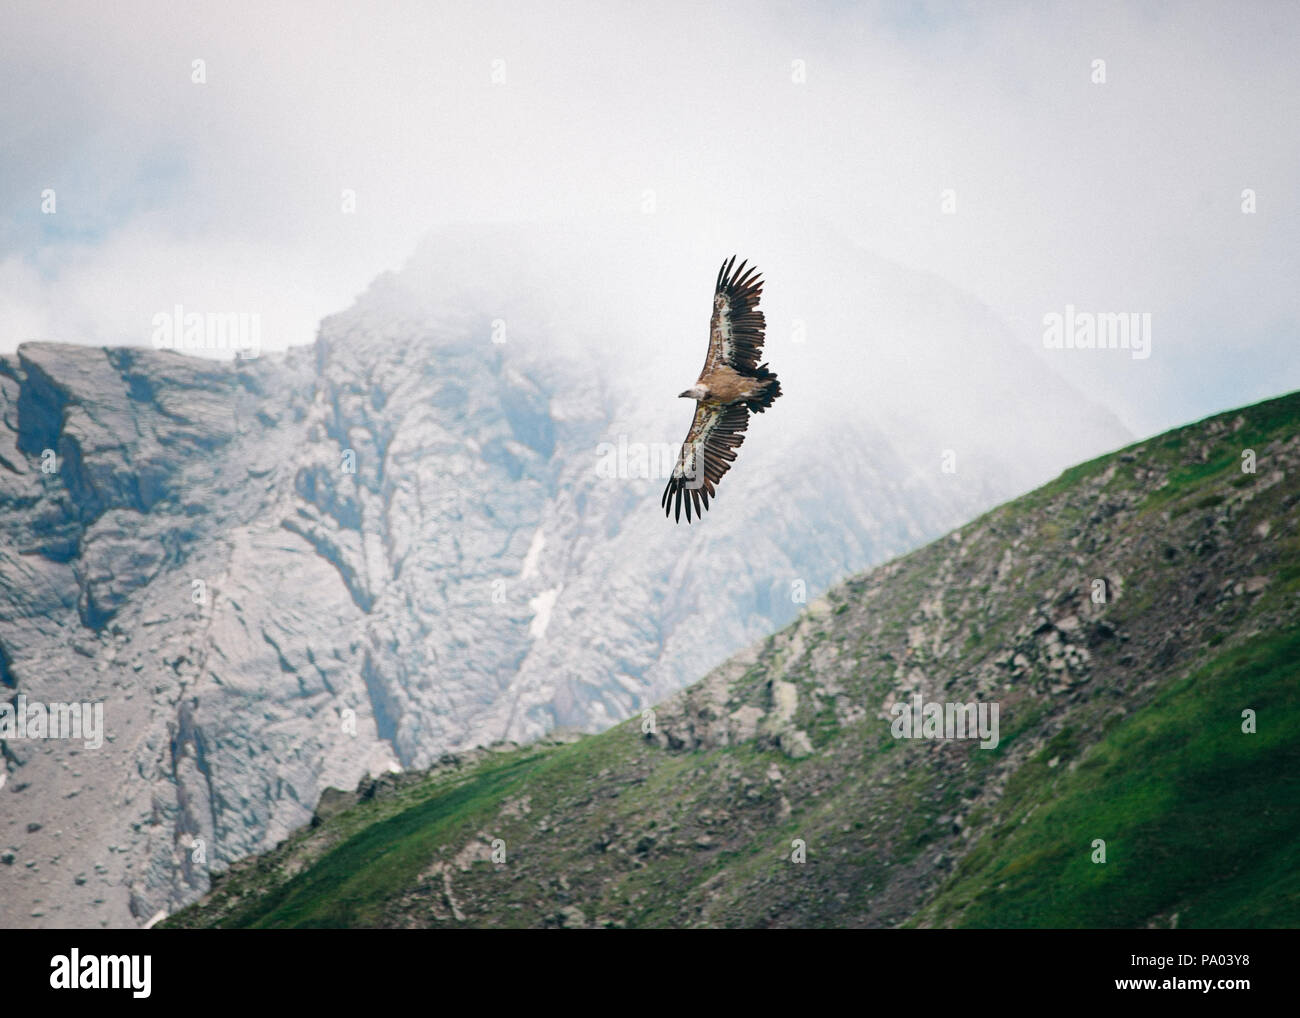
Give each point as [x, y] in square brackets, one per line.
[1198, 818]
[350, 885]
[1263, 422]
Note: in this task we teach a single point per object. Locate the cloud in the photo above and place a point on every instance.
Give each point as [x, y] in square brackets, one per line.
[228, 195]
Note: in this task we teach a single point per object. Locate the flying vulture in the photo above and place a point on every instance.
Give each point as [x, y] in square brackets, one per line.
[731, 387]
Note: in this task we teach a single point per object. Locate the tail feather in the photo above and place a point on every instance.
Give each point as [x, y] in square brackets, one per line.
[771, 390]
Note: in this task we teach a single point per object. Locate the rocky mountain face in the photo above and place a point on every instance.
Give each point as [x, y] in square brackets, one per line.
[1136, 625]
[436, 528]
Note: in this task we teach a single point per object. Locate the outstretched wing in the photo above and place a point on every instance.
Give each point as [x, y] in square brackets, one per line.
[710, 446]
[736, 328]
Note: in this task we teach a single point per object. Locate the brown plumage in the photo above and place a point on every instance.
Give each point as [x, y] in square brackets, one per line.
[731, 386]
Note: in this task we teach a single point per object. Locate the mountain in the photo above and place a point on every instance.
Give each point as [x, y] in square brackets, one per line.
[435, 529]
[1134, 621]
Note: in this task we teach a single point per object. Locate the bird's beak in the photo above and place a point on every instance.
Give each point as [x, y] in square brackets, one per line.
[687, 393]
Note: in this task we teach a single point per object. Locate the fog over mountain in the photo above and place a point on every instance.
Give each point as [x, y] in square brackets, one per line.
[282, 573]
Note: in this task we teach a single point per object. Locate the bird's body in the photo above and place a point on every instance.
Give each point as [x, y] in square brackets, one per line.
[725, 385]
[731, 386]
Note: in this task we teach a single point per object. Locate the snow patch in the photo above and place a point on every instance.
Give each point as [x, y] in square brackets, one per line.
[541, 606]
[534, 553]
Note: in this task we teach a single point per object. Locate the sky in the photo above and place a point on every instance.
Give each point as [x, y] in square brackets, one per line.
[1113, 158]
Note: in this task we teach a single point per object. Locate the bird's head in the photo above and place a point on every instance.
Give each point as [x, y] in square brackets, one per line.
[694, 392]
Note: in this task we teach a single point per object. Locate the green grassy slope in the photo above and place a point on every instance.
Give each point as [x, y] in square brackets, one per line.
[1120, 721]
[1199, 819]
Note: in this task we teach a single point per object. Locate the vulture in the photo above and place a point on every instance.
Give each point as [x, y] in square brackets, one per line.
[731, 386]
